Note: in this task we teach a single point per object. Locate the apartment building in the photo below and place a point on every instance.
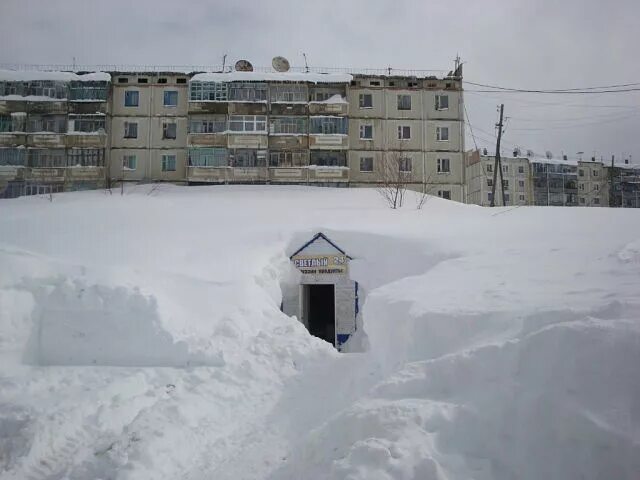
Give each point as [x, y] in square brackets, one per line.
[593, 184]
[414, 122]
[555, 182]
[624, 181]
[148, 127]
[480, 177]
[52, 131]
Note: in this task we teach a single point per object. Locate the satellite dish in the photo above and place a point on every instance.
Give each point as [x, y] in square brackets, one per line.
[280, 64]
[243, 66]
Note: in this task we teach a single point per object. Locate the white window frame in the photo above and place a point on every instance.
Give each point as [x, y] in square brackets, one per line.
[439, 134]
[127, 126]
[363, 130]
[250, 123]
[164, 98]
[166, 162]
[441, 163]
[404, 162]
[165, 128]
[137, 92]
[439, 106]
[127, 161]
[401, 131]
[441, 194]
[364, 159]
[362, 103]
[401, 103]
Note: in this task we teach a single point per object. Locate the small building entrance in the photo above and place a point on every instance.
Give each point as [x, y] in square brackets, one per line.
[325, 299]
[320, 311]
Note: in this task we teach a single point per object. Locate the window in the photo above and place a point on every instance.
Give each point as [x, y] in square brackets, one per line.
[288, 159]
[129, 162]
[208, 92]
[288, 126]
[404, 132]
[374, 83]
[581, 186]
[596, 187]
[521, 198]
[489, 196]
[489, 182]
[86, 123]
[88, 91]
[123, 80]
[169, 130]
[162, 80]
[521, 183]
[208, 157]
[366, 132]
[442, 102]
[324, 94]
[168, 163]
[520, 169]
[248, 123]
[596, 201]
[143, 80]
[170, 98]
[245, 158]
[328, 126]
[581, 173]
[366, 100]
[405, 165]
[50, 124]
[130, 129]
[446, 194]
[13, 156]
[366, 164]
[595, 173]
[289, 94]
[404, 102]
[505, 169]
[131, 98]
[506, 198]
[328, 159]
[85, 157]
[489, 167]
[248, 92]
[47, 158]
[582, 200]
[505, 183]
[181, 80]
[444, 165]
[212, 124]
[442, 134]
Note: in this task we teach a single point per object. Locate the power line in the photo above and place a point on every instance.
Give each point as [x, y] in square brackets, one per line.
[602, 89]
[470, 127]
[492, 98]
[582, 92]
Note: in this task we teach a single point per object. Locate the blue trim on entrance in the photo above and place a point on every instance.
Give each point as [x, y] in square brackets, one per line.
[342, 338]
[316, 237]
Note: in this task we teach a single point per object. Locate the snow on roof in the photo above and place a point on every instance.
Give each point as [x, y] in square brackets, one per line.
[273, 76]
[25, 76]
[333, 99]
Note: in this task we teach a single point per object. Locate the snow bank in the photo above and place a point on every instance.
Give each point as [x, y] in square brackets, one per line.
[501, 346]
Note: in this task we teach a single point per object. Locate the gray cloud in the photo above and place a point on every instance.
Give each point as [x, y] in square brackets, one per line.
[521, 43]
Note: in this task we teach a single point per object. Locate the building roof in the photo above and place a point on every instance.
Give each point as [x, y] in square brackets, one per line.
[31, 75]
[272, 76]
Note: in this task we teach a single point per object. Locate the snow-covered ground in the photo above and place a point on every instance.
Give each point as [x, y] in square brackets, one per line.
[141, 338]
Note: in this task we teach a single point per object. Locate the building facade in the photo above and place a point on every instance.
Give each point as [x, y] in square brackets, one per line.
[226, 128]
[52, 132]
[480, 177]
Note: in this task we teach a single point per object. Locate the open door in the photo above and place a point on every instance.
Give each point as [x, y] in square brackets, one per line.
[319, 311]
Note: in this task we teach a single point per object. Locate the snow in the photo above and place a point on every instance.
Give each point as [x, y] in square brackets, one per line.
[332, 100]
[30, 98]
[141, 338]
[273, 77]
[32, 75]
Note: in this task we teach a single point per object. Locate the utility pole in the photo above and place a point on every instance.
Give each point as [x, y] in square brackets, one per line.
[498, 163]
[611, 193]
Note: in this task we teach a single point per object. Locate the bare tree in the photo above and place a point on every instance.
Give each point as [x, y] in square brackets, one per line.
[423, 196]
[393, 176]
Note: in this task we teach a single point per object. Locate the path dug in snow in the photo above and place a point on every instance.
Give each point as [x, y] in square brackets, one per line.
[485, 362]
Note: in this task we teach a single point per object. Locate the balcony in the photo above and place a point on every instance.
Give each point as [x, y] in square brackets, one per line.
[207, 139]
[227, 174]
[328, 141]
[86, 140]
[85, 173]
[46, 140]
[247, 140]
[215, 108]
[289, 174]
[288, 142]
[46, 174]
[335, 105]
[328, 174]
[12, 139]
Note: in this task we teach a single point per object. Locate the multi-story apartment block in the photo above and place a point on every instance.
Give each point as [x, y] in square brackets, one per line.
[555, 182]
[419, 120]
[233, 127]
[148, 127]
[593, 184]
[624, 181]
[480, 177]
[52, 131]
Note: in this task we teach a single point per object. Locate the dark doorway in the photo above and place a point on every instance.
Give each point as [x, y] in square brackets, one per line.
[320, 311]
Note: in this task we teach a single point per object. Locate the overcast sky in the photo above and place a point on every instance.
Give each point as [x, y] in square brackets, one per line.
[529, 44]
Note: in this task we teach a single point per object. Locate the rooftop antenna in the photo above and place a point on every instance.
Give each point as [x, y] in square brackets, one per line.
[457, 61]
[280, 64]
[74, 64]
[306, 65]
[224, 61]
[243, 66]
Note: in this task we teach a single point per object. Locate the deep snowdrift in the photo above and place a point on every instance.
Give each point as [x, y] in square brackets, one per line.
[504, 343]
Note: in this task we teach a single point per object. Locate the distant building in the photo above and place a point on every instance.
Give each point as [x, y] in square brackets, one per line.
[625, 186]
[480, 178]
[52, 132]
